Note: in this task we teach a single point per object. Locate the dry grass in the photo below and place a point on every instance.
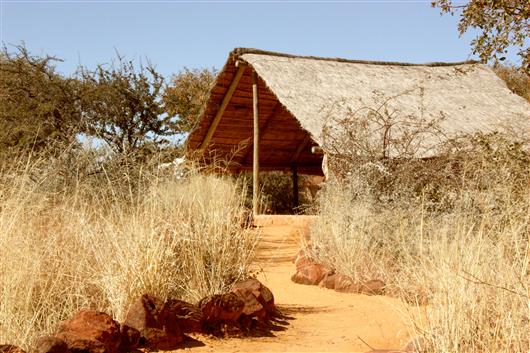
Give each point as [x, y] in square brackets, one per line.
[517, 81]
[100, 241]
[467, 253]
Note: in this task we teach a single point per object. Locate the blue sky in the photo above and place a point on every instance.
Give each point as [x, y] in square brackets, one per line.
[175, 34]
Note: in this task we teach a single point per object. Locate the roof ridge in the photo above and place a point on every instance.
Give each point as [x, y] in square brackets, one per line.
[237, 52]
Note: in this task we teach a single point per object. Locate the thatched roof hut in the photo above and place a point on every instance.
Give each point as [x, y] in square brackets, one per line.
[294, 94]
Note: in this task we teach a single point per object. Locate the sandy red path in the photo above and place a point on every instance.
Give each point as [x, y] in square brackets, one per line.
[322, 320]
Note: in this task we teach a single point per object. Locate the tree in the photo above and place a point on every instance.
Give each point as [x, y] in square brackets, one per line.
[122, 105]
[503, 24]
[187, 95]
[39, 107]
[376, 136]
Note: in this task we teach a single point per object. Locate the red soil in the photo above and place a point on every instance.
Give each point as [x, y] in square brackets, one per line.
[322, 320]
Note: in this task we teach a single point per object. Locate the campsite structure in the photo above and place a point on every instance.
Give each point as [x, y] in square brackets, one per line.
[267, 110]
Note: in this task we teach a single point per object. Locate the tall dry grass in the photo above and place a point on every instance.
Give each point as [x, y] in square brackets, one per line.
[72, 240]
[458, 241]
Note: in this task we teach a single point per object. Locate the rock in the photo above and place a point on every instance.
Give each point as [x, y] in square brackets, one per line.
[50, 344]
[82, 345]
[297, 277]
[188, 316]
[373, 287]
[307, 271]
[158, 329]
[221, 307]
[258, 299]
[130, 338]
[328, 281]
[90, 331]
[9, 348]
[251, 306]
[310, 273]
[345, 284]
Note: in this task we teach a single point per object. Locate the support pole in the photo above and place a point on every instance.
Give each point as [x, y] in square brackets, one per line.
[296, 201]
[255, 159]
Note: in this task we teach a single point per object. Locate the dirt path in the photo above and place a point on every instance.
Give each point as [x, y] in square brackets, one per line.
[322, 320]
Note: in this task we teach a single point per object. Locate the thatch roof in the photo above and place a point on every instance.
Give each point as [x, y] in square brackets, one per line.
[297, 94]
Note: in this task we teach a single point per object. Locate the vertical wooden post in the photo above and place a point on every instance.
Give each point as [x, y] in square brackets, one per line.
[294, 169]
[255, 159]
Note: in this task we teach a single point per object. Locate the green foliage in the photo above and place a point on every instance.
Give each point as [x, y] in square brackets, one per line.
[503, 24]
[276, 193]
[39, 107]
[187, 94]
[122, 106]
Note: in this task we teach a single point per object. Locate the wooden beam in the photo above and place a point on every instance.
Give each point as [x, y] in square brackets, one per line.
[222, 108]
[300, 148]
[263, 129]
[255, 164]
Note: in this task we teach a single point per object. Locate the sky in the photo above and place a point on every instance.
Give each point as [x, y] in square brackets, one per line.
[196, 34]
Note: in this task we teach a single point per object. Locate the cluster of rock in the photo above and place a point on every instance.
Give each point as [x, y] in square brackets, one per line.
[157, 325]
[312, 273]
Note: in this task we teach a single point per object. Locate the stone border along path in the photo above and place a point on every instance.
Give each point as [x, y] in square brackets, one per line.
[322, 320]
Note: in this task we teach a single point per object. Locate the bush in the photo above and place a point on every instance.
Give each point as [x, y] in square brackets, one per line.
[97, 240]
[276, 193]
[451, 231]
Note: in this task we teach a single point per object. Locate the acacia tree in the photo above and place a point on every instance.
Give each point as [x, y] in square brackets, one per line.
[122, 105]
[187, 94]
[503, 24]
[38, 106]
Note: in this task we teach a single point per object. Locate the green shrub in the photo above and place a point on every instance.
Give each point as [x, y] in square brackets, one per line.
[276, 193]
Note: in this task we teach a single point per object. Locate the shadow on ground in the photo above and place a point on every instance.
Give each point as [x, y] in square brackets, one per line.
[302, 309]
[190, 342]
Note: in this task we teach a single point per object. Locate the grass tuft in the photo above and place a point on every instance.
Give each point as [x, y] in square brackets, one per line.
[101, 240]
[459, 244]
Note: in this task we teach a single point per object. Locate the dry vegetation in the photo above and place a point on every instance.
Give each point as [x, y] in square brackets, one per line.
[73, 236]
[517, 81]
[451, 232]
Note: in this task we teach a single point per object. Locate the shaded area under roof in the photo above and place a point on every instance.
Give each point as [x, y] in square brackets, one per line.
[297, 96]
